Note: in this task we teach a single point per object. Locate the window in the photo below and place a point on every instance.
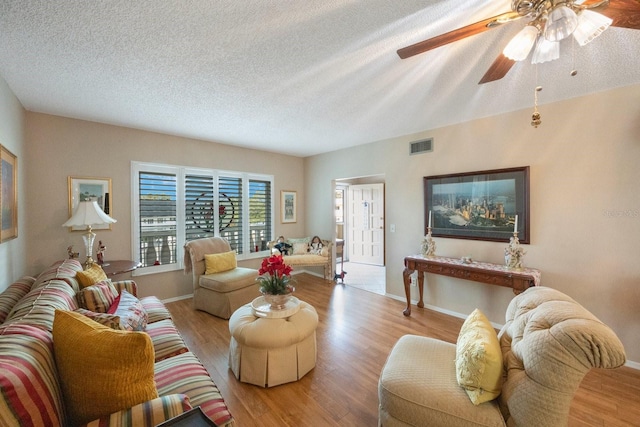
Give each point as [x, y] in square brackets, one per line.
[260, 214]
[172, 205]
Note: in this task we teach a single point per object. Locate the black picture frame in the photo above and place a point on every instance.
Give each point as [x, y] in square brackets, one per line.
[478, 205]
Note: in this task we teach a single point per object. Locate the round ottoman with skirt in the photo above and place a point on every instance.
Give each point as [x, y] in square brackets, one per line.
[268, 351]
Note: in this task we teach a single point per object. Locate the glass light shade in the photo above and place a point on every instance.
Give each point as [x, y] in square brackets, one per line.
[561, 23]
[590, 25]
[519, 47]
[545, 51]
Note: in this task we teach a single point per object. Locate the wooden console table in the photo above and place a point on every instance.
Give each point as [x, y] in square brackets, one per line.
[484, 272]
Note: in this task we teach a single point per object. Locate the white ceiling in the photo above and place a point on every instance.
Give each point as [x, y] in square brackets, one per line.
[288, 76]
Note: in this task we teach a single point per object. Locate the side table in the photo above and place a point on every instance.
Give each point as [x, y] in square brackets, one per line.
[112, 268]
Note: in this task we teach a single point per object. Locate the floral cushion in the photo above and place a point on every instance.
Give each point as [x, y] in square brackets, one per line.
[479, 359]
[110, 320]
[133, 316]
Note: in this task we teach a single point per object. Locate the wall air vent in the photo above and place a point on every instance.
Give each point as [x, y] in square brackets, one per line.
[422, 146]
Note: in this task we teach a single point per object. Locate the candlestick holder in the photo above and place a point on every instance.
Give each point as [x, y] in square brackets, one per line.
[514, 253]
[428, 245]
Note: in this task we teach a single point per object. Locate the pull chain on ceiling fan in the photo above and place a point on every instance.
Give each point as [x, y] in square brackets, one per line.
[550, 22]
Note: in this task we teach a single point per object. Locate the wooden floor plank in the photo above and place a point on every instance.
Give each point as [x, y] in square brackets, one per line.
[357, 329]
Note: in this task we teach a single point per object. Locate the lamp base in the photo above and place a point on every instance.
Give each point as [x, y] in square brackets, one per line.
[88, 238]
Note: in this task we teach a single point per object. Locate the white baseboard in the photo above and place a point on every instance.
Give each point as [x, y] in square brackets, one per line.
[181, 297]
[312, 273]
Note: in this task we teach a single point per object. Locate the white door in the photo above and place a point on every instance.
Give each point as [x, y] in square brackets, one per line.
[366, 224]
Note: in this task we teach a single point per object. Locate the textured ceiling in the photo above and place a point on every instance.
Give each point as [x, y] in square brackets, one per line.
[289, 76]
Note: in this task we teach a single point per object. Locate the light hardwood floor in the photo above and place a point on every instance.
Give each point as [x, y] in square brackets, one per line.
[356, 332]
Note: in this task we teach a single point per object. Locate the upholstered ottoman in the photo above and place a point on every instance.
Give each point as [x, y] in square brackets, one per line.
[271, 351]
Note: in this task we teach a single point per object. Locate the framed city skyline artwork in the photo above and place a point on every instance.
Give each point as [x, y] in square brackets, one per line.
[486, 205]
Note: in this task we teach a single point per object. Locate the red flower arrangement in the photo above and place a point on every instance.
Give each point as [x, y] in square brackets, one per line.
[275, 276]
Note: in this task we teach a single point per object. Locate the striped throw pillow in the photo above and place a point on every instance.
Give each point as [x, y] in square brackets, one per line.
[98, 297]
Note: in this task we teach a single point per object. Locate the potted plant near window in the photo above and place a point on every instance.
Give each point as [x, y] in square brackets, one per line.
[275, 281]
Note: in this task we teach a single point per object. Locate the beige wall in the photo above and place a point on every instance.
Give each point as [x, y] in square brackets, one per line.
[60, 147]
[585, 205]
[13, 252]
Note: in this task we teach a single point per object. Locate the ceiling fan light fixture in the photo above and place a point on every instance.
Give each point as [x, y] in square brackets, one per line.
[545, 51]
[590, 25]
[561, 22]
[519, 47]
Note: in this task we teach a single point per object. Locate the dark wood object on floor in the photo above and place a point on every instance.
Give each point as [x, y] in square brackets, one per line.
[492, 274]
[356, 332]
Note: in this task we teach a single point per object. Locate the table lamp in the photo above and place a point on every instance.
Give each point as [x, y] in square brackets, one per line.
[87, 215]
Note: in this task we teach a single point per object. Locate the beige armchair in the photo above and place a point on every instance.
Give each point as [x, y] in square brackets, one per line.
[222, 292]
[549, 343]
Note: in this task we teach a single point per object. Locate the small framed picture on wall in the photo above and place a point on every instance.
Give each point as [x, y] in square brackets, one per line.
[288, 206]
[88, 188]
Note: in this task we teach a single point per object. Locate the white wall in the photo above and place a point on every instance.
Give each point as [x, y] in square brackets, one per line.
[13, 252]
[585, 206]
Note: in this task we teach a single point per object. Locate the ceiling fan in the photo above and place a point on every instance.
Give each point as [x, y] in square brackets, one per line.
[543, 15]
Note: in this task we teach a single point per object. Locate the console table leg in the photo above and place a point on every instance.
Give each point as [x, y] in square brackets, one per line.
[421, 288]
[406, 277]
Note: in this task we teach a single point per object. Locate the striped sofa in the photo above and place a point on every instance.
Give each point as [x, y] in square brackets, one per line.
[30, 387]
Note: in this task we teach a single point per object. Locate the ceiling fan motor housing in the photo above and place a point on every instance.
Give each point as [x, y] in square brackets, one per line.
[530, 8]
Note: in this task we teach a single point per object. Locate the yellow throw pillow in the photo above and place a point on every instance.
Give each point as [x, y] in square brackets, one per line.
[479, 359]
[217, 263]
[101, 370]
[91, 276]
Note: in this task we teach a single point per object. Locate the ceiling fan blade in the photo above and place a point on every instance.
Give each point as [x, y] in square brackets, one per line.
[455, 35]
[498, 69]
[625, 13]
